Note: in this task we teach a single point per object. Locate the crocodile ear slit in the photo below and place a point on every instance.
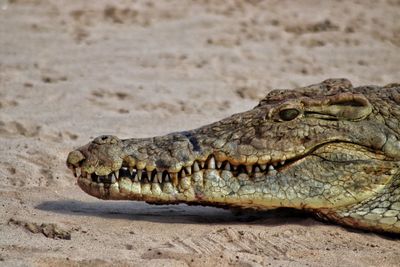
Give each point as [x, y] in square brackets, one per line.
[343, 106]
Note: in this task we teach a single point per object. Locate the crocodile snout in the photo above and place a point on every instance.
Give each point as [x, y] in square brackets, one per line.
[74, 158]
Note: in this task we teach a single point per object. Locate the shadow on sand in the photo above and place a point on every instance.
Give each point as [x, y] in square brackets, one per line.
[174, 213]
[140, 211]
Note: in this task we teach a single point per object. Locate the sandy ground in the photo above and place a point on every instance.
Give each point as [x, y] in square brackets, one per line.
[72, 70]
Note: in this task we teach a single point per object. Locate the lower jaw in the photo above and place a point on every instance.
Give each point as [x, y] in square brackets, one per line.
[126, 189]
[213, 190]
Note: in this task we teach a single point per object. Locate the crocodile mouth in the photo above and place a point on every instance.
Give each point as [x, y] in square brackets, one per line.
[140, 182]
[143, 176]
[132, 180]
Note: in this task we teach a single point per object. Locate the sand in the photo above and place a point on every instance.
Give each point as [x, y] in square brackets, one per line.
[73, 70]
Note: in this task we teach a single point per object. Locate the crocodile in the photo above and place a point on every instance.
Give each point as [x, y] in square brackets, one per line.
[329, 149]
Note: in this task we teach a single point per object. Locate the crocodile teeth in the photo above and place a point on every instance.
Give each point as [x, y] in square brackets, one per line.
[149, 176]
[196, 167]
[282, 162]
[249, 168]
[113, 178]
[139, 174]
[202, 164]
[263, 167]
[135, 178]
[211, 163]
[131, 169]
[257, 169]
[219, 164]
[228, 167]
[116, 173]
[271, 168]
[159, 177]
[74, 170]
[78, 172]
[188, 170]
[183, 174]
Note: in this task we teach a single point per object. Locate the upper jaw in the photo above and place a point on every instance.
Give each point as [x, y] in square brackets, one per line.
[109, 159]
[177, 155]
[101, 156]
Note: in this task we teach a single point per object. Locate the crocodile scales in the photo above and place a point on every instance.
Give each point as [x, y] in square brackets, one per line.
[329, 148]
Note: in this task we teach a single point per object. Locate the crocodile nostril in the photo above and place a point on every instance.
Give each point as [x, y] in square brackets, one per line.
[105, 139]
[75, 157]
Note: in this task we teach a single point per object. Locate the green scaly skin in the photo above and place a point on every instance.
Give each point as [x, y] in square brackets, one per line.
[329, 148]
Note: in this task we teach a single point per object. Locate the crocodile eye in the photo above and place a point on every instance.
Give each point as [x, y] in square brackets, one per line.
[289, 114]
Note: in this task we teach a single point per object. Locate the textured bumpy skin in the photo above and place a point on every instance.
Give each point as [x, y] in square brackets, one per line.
[329, 148]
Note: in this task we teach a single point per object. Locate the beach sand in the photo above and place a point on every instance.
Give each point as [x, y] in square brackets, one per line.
[73, 70]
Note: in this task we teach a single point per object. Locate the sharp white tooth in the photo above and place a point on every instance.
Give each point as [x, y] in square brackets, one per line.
[78, 172]
[249, 168]
[219, 164]
[125, 168]
[211, 163]
[149, 176]
[135, 178]
[74, 171]
[263, 167]
[234, 167]
[257, 169]
[282, 162]
[116, 173]
[202, 164]
[183, 174]
[139, 175]
[196, 167]
[271, 168]
[131, 169]
[113, 178]
[188, 170]
[228, 166]
[159, 177]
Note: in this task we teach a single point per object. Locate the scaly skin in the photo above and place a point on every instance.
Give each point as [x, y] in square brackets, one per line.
[328, 148]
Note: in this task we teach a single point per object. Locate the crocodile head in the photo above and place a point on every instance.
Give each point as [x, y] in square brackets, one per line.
[322, 146]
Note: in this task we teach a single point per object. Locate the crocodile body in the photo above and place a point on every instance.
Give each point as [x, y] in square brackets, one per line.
[330, 148]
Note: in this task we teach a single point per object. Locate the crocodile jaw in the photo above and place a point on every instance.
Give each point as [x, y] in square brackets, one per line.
[347, 174]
